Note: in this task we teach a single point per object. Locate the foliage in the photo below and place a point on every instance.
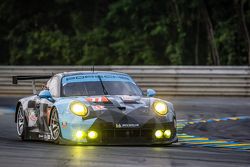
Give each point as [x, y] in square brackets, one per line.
[122, 32]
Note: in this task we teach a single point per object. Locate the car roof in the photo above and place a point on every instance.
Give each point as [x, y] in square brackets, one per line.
[90, 72]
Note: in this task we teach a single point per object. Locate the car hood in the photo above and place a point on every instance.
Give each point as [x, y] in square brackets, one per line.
[121, 102]
[124, 103]
[118, 110]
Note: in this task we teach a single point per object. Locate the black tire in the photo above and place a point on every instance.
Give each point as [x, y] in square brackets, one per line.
[22, 130]
[55, 127]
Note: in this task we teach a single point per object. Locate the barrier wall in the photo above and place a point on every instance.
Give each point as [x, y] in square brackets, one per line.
[166, 80]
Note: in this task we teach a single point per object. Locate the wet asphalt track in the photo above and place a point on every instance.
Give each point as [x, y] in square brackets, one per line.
[14, 152]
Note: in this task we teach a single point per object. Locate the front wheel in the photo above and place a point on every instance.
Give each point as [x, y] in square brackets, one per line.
[54, 126]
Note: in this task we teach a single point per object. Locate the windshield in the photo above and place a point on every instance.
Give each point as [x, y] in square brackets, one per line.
[95, 88]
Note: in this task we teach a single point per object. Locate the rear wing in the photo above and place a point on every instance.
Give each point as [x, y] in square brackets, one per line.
[15, 79]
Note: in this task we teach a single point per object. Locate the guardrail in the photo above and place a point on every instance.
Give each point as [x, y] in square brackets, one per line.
[166, 80]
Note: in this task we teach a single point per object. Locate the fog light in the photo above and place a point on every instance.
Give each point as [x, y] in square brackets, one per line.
[158, 134]
[167, 133]
[79, 134]
[92, 134]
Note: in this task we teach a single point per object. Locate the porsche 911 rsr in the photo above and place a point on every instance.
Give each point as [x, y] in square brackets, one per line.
[94, 108]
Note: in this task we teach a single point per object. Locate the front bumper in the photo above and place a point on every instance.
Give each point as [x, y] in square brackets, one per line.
[109, 135]
[117, 128]
[133, 142]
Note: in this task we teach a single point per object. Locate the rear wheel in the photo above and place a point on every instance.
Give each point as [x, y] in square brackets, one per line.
[21, 123]
[55, 127]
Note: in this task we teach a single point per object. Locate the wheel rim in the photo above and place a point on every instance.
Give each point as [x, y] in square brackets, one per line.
[20, 121]
[54, 126]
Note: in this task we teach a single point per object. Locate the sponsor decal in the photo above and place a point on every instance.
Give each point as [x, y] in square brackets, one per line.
[32, 118]
[44, 136]
[98, 107]
[127, 125]
[97, 99]
[86, 77]
[95, 77]
[64, 124]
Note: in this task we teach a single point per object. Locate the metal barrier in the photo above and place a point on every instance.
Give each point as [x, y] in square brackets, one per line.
[166, 80]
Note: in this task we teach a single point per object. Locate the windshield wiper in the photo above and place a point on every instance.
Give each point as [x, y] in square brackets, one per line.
[103, 87]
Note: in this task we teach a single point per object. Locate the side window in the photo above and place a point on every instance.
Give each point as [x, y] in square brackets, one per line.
[53, 87]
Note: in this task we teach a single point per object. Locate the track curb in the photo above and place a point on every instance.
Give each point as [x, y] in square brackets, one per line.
[199, 141]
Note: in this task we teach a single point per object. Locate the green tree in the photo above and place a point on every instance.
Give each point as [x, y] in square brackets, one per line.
[124, 32]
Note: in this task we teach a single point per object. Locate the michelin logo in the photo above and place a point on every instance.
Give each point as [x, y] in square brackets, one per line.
[127, 125]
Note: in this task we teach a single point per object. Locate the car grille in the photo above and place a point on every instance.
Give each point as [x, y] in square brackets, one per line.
[127, 135]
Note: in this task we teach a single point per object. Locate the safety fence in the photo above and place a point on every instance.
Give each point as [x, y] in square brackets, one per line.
[166, 80]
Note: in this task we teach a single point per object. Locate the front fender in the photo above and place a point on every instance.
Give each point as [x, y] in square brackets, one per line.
[69, 122]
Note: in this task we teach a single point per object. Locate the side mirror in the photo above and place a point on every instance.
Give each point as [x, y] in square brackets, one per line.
[151, 92]
[45, 94]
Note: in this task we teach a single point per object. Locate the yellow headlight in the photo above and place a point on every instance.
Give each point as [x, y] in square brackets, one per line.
[92, 134]
[79, 108]
[160, 107]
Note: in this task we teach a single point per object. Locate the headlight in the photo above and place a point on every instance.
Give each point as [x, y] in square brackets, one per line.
[160, 107]
[78, 108]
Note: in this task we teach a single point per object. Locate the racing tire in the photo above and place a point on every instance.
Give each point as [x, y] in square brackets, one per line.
[21, 123]
[55, 127]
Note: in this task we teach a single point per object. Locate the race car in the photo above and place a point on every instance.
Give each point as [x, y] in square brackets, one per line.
[94, 108]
